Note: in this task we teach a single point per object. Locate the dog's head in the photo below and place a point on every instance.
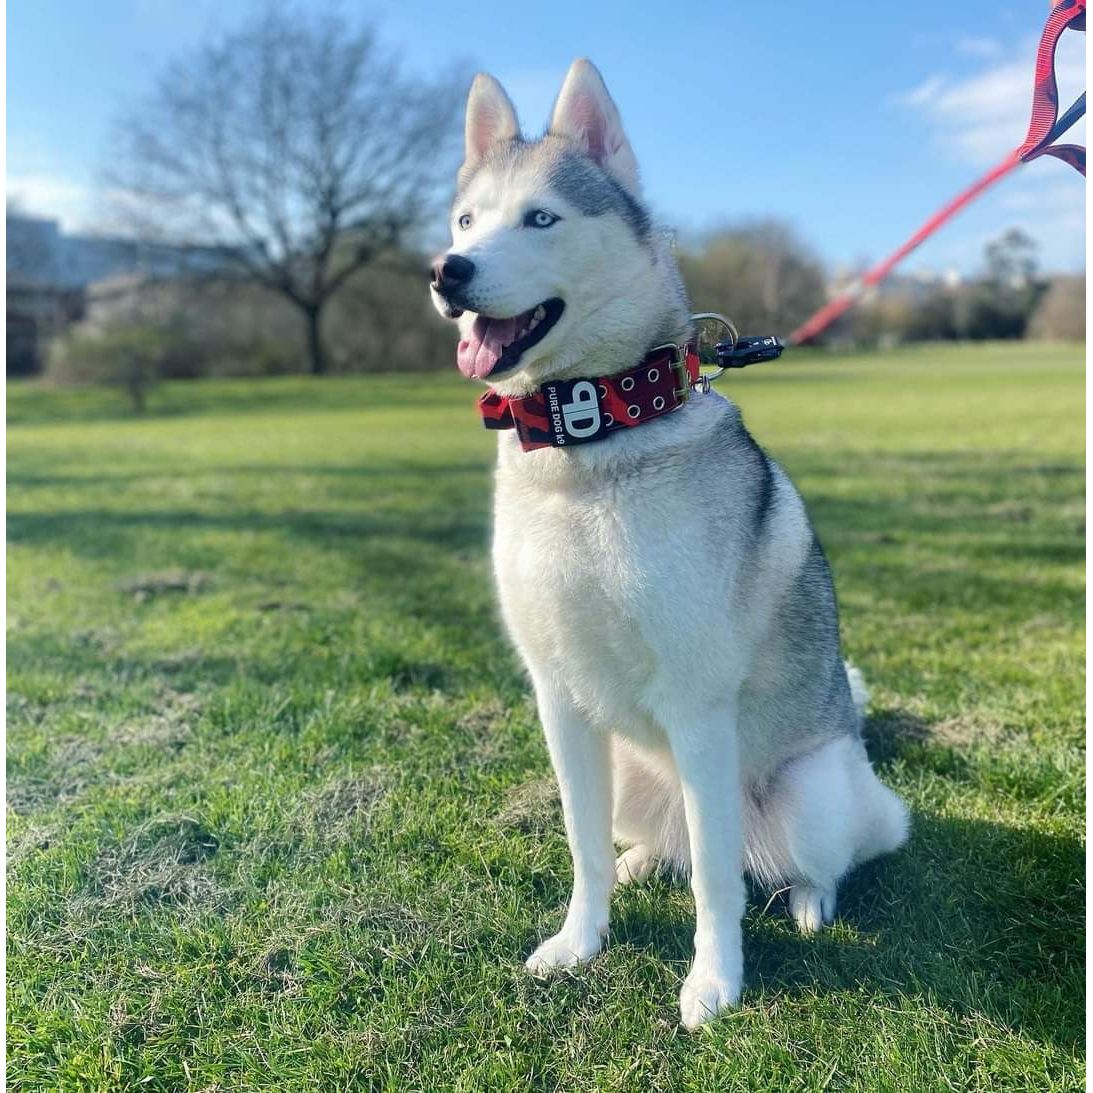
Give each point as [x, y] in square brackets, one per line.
[554, 265]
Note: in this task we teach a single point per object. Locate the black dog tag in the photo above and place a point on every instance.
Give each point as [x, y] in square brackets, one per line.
[574, 413]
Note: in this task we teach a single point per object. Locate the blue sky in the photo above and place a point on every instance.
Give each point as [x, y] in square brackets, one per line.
[853, 121]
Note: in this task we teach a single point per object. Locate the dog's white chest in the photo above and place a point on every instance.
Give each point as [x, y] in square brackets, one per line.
[583, 580]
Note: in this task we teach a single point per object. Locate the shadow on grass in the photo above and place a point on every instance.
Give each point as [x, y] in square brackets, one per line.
[953, 513]
[973, 917]
[40, 404]
[389, 470]
[394, 542]
[454, 516]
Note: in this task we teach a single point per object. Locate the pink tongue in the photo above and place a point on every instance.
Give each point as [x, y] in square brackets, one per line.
[478, 355]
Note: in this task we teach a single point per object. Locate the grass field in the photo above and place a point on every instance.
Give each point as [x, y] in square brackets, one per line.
[280, 815]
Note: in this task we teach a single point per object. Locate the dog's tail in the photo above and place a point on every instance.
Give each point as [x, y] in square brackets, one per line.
[859, 692]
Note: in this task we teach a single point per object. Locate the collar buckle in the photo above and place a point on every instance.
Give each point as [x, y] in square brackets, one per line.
[678, 364]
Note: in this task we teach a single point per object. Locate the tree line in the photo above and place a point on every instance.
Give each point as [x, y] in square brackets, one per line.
[298, 145]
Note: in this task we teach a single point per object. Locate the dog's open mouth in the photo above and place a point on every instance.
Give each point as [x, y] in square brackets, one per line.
[496, 345]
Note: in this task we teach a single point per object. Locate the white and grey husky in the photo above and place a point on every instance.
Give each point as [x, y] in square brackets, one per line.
[664, 585]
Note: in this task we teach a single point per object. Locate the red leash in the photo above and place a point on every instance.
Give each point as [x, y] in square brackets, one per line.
[1042, 131]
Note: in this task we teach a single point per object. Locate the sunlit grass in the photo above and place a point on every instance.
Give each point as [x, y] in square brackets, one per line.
[279, 810]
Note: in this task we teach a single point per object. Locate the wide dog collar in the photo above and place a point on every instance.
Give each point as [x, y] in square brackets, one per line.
[580, 411]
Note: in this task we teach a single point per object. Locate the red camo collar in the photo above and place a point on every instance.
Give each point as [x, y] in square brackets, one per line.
[563, 413]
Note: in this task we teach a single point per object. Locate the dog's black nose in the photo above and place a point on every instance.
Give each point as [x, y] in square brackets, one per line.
[451, 270]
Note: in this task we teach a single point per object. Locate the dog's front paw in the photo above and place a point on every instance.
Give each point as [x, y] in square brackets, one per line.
[705, 994]
[564, 950]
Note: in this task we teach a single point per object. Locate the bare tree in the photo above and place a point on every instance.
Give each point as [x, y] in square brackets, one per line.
[759, 274]
[1061, 313]
[295, 143]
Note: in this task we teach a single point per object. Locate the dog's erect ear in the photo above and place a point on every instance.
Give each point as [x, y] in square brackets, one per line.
[586, 114]
[490, 118]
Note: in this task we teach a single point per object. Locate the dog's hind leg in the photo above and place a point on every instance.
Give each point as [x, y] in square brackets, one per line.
[648, 813]
[824, 813]
[636, 864]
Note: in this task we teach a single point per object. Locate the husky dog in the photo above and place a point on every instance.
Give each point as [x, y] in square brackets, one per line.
[664, 586]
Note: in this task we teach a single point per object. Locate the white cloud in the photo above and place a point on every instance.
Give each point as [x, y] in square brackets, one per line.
[979, 117]
[1057, 197]
[40, 193]
[974, 118]
[974, 46]
[922, 95]
[1052, 212]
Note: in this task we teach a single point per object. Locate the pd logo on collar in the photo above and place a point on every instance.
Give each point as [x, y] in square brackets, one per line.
[573, 412]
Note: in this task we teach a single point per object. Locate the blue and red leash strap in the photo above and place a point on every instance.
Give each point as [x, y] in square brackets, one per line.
[1045, 127]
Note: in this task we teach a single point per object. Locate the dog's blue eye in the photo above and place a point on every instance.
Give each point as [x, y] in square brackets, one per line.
[539, 218]
[464, 221]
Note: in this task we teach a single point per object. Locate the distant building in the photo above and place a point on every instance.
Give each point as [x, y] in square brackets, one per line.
[50, 271]
[917, 284]
[39, 253]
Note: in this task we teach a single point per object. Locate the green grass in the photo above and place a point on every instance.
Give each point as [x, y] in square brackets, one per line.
[280, 812]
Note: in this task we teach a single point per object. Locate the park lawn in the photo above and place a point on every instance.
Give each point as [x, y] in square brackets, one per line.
[279, 811]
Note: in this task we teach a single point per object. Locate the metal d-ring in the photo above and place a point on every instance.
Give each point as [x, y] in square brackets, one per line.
[706, 378]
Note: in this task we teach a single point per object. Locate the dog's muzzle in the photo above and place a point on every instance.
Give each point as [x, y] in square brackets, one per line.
[450, 274]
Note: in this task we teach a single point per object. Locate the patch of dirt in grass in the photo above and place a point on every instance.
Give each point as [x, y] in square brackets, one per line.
[404, 715]
[385, 915]
[885, 727]
[483, 727]
[71, 768]
[33, 839]
[76, 763]
[353, 796]
[332, 811]
[481, 720]
[158, 731]
[277, 969]
[144, 586]
[169, 729]
[1016, 511]
[172, 663]
[133, 1026]
[85, 690]
[164, 862]
[282, 967]
[967, 729]
[101, 639]
[889, 730]
[399, 731]
[20, 706]
[532, 808]
[407, 674]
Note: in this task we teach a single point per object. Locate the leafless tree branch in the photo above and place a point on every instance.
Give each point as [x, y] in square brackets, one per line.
[297, 143]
